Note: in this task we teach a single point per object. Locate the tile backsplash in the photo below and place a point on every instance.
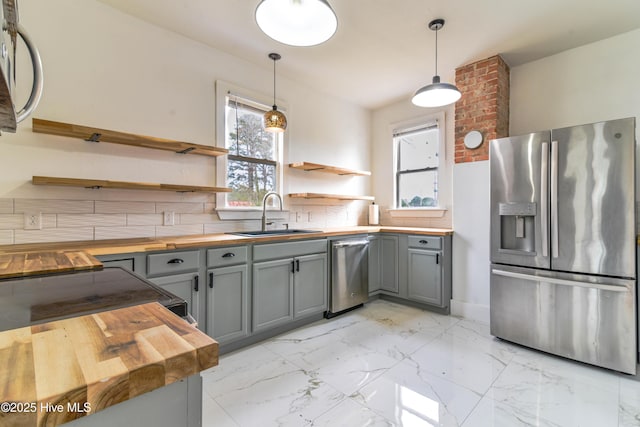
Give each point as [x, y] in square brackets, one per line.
[70, 220]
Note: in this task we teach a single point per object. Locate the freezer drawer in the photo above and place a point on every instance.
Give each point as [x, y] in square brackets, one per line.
[585, 318]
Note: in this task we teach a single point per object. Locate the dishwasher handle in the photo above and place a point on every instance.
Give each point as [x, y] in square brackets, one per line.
[347, 243]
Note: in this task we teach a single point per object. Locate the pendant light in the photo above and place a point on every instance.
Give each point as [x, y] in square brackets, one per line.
[436, 94]
[297, 22]
[274, 120]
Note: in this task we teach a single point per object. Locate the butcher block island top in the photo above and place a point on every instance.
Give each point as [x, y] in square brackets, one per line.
[66, 369]
[46, 262]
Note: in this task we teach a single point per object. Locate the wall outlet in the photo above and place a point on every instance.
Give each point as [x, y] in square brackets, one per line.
[169, 218]
[33, 220]
[298, 216]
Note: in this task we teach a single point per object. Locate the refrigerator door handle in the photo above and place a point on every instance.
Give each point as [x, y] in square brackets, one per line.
[555, 281]
[544, 199]
[554, 199]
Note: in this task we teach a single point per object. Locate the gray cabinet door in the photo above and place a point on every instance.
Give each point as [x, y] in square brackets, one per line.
[389, 263]
[375, 269]
[425, 276]
[272, 293]
[187, 286]
[310, 285]
[228, 303]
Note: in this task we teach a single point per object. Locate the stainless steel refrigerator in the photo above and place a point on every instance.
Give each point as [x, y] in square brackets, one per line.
[563, 242]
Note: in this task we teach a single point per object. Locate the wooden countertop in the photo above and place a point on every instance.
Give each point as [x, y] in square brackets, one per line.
[99, 360]
[117, 246]
[46, 262]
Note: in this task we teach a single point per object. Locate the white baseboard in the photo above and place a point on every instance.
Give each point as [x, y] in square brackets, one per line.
[477, 312]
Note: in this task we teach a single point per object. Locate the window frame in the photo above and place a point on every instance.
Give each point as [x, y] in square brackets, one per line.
[415, 124]
[259, 101]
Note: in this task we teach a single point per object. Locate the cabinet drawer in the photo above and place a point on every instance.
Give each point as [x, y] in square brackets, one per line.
[226, 256]
[173, 262]
[425, 242]
[288, 249]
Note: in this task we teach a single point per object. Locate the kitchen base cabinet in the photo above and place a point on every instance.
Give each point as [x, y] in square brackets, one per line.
[228, 303]
[186, 286]
[272, 293]
[383, 264]
[429, 270]
[290, 287]
[176, 405]
[389, 263]
[425, 276]
[310, 285]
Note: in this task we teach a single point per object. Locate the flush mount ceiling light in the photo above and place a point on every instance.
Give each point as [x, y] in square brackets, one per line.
[297, 22]
[436, 94]
[274, 120]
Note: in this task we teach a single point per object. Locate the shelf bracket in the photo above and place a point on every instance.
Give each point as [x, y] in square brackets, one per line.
[186, 150]
[95, 137]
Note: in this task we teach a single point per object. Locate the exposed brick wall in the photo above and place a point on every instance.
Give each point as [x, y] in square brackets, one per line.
[484, 105]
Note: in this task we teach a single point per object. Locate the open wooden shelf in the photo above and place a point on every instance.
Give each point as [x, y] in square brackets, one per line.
[306, 166]
[328, 196]
[103, 135]
[101, 183]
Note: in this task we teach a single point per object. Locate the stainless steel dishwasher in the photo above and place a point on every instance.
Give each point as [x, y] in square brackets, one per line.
[349, 275]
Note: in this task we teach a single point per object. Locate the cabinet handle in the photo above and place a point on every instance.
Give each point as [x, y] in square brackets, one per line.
[437, 258]
[424, 242]
[175, 261]
[293, 266]
[211, 280]
[228, 255]
[196, 283]
[298, 265]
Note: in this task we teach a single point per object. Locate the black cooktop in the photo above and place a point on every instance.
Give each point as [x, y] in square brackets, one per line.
[33, 300]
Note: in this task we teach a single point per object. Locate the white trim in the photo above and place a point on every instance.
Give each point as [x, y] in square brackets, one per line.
[417, 213]
[477, 312]
[222, 90]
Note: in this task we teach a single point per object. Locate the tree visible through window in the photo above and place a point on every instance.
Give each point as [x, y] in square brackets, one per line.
[416, 169]
[252, 167]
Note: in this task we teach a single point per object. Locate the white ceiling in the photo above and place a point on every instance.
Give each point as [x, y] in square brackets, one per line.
[383, 50]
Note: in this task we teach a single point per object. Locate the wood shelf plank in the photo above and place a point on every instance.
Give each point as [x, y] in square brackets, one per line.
[103, 135]
[307, 166]
[328, 196]
[101, 183]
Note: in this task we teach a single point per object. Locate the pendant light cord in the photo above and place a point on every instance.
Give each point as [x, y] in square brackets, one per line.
[274, 83]
[436, 52]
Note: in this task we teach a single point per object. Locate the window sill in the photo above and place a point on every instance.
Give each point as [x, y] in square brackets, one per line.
[417, 213]
[240, 214]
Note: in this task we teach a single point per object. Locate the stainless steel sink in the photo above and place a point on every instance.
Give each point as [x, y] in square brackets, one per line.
[266, 233]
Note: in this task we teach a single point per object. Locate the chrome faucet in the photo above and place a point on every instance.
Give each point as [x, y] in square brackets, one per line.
[264, 207]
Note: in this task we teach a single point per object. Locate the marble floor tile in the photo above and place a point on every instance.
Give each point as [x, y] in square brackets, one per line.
[629, 411]
[408, 392]
[391, 365]
[463, 362]
[351, 414]
[562, 396]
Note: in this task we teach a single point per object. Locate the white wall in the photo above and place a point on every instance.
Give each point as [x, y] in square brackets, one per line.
[106, 69]
[587, 84]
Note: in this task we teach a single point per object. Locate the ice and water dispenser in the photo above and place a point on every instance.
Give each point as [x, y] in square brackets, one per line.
[517, 227]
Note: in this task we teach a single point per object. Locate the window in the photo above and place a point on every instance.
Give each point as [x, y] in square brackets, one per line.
[253, 166]
[417, 158]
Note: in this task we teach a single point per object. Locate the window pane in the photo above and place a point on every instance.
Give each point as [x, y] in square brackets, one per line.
[246, 135]
[418, 189]
[419, 150]
[249, 182]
